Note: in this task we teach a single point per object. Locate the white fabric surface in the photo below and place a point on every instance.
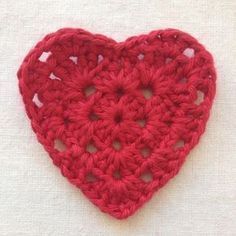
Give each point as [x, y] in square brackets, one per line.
[36, 200]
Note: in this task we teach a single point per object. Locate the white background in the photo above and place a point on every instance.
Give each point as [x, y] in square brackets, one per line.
[36, 200]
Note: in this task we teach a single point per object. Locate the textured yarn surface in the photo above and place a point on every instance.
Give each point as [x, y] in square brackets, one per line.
[118, 118]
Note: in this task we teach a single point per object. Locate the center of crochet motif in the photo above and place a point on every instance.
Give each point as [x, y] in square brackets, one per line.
[118, 119]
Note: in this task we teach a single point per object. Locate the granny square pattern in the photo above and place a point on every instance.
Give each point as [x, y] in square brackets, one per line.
[118, 118]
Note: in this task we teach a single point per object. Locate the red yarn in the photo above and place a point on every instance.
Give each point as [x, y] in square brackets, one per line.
[118, 119]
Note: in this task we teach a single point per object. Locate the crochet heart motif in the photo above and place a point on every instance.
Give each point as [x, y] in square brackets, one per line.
[118, 118]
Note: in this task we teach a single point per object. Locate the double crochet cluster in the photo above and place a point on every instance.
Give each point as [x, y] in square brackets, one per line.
[118, 119]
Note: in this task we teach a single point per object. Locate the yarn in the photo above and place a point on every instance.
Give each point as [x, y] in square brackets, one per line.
[118, 118]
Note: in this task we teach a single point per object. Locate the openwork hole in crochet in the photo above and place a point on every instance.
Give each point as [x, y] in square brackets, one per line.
[117, 174]
[147, 92]
[74, 59]
[200, 97]
[146, 176]
[145, 152]
[52, 76]
[179, 144]
[91, 148]
[59, 145]
[189, 52]
[93, 116]
[89, 90]
[118, 119]
[141, 122]
[116, 145]
[44, 56]
[36, 100]
[90, 178]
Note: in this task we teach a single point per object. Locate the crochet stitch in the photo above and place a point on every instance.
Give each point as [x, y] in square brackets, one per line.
[118, 118]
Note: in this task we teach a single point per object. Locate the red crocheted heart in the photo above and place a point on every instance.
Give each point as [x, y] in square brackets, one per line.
[125, 114]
